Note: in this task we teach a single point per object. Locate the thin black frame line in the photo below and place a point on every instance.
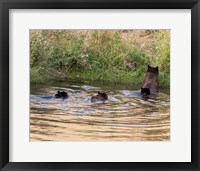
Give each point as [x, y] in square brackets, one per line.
[100, 4]
[194, 86]
[1, 87]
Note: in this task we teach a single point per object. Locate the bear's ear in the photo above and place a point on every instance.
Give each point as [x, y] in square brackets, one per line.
[99, 92]
[58, 91]
[157, 69]
[149, 67]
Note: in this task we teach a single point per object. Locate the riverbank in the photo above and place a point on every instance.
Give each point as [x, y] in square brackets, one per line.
[112, 56]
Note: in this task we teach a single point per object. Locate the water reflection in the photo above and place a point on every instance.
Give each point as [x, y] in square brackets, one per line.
[125, 116]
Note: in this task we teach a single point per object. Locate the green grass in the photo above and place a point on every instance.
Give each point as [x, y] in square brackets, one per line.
[98, 55]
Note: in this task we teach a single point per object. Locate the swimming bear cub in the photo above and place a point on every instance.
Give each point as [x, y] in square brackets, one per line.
[99, 97]
[61, 94]
[145, 91]
[150, 83]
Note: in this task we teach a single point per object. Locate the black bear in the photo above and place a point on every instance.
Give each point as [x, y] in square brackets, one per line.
[99, 97]
[150, 83]
[145, 91]
[61, 94]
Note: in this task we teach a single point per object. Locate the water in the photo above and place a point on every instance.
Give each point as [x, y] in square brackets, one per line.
[125, 116]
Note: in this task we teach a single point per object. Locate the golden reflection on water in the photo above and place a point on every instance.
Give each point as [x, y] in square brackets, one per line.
[126, 116]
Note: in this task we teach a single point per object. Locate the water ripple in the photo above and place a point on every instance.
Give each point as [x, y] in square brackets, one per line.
[126, 116]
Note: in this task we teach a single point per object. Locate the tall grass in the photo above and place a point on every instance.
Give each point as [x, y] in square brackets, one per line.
[98, 55]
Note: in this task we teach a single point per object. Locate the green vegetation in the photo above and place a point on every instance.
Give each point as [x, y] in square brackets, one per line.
[99, 55]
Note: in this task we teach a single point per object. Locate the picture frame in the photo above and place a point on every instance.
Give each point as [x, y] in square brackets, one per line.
[6, 5]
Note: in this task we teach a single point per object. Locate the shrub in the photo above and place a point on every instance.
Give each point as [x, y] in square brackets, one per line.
[100, 55]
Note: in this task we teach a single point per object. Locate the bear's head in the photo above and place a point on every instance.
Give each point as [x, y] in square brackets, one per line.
[104, 95]
[152, 69]
[145, 91]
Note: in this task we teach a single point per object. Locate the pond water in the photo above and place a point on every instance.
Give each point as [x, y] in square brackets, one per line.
[125, 116]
